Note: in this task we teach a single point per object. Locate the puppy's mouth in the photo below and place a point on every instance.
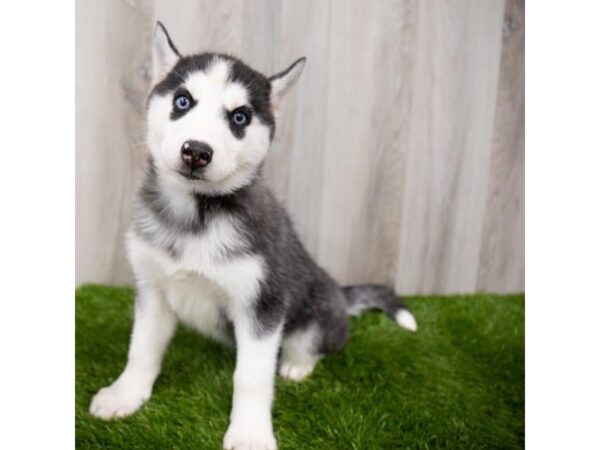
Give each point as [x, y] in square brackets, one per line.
[190, 175]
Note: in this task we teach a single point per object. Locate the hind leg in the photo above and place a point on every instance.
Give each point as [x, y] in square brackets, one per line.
[325, 332]
[299, 353]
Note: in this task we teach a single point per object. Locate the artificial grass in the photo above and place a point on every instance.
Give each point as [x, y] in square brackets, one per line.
[457, 383]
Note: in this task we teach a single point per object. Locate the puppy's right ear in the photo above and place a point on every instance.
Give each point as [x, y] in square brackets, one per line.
[164, 53]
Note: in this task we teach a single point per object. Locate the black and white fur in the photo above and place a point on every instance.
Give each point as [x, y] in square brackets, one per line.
[210, 246]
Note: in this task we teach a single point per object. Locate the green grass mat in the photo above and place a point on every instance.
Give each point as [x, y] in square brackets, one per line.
[457, 383]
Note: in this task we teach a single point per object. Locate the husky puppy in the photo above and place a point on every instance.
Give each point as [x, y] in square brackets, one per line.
[210, 246]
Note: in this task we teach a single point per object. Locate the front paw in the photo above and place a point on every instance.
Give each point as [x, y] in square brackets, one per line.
[118, 400]
[249, 437]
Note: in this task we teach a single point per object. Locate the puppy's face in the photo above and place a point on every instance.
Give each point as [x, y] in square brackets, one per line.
[211, 118]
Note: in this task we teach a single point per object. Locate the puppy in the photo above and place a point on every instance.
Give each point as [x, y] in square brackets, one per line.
[210, 246]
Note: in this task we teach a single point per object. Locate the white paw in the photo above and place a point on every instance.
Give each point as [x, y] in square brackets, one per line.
[249, 437]
[295, 371]
[118, 400]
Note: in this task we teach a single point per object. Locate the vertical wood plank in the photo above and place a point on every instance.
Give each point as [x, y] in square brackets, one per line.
[294, 167]
[112, 52]
[363, 165]
[261, 32]
[458, 57]
[350, 100]
[203, 25]
[375, 260]
[502, 257]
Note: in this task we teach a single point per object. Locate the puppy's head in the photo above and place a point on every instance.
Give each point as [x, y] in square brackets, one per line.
[211, 118]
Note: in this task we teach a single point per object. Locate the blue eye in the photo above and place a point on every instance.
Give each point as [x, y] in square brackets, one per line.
[182, 102]
[239, 118]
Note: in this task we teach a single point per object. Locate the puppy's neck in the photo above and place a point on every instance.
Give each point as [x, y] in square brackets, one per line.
[180, 203]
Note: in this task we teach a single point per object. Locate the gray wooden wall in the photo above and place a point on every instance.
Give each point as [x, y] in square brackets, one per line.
[400, 153]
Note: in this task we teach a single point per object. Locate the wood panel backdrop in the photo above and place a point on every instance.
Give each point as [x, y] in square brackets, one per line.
[400, 152]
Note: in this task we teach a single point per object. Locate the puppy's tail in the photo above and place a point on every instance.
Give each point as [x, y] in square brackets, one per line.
[383, 298]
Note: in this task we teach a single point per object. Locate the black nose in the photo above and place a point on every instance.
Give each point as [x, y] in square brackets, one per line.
[196, 154]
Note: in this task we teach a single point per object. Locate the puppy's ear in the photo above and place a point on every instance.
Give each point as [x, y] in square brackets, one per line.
[283, 81]
[164, 53]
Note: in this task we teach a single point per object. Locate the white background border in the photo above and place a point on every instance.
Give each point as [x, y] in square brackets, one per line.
[37, 71]
[37, 224]
[562, 224]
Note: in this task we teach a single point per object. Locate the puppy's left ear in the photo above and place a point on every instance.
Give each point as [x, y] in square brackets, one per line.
[164, 53]
[283, 81]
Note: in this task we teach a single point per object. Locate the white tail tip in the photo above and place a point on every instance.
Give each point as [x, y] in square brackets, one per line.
[406, 320]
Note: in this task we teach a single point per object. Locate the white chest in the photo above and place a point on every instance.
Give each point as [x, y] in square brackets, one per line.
[207, 277]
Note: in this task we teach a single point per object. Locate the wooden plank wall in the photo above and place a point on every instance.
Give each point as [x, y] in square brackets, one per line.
[400, 153]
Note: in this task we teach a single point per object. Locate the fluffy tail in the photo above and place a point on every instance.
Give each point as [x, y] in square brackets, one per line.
[373, 296]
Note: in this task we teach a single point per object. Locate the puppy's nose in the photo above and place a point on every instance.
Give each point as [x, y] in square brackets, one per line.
[196, 154]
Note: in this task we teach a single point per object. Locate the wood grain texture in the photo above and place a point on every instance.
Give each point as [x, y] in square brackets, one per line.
[197, 26]
[112, 79]
[364, 149]
[399, 154]
[295, 165]
[456, 69]
[390, 132]
[502, 257]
